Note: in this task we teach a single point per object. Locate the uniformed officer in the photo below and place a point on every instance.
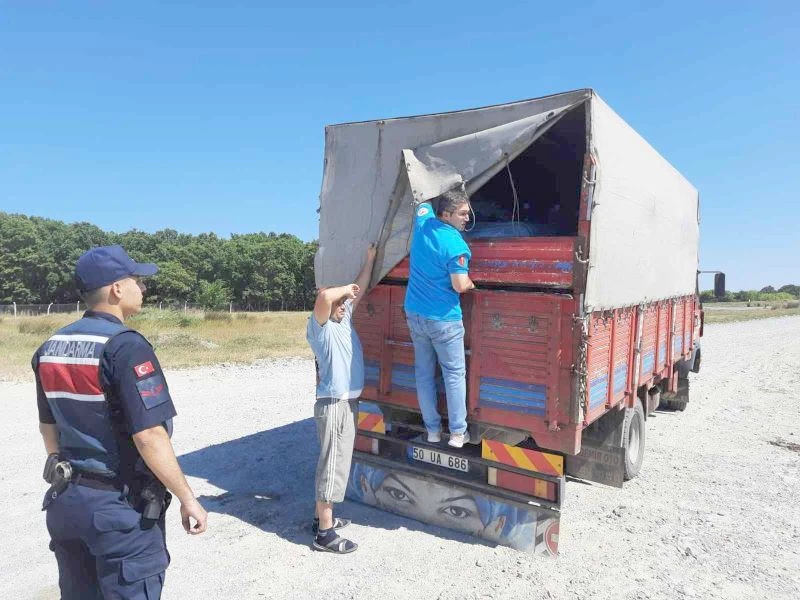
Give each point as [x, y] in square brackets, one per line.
[105, 415]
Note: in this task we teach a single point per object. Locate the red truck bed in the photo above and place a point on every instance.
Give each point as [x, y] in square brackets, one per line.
[531, 364]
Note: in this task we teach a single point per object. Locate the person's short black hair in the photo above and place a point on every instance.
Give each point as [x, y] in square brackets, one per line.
[451, 200]
[92, 297]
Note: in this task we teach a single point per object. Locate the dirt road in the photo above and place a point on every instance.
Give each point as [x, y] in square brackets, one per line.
[714, 514]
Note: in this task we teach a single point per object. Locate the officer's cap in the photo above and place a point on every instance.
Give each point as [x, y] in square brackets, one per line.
[104, 265]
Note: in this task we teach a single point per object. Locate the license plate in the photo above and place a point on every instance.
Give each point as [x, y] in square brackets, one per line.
[434, 457]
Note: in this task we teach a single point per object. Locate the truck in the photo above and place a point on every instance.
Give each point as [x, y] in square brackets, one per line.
[584, 320]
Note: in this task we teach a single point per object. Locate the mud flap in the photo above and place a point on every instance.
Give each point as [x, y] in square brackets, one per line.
[602, 457]
[443, 503]
[599, 463]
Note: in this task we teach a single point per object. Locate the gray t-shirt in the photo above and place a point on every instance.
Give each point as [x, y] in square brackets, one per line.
[340, 357]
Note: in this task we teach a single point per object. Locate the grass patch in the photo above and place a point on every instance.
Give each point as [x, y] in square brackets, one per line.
[38, 325]
[218, 316]
[189, 339]
[720, 315]
[180, 339]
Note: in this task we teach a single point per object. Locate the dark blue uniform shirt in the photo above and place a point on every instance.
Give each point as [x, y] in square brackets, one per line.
[137, 399]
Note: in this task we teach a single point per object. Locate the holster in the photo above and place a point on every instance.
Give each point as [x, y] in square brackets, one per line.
[155, 499]
[60, 475]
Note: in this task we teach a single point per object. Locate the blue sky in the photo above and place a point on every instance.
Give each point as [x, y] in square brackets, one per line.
[210, 116]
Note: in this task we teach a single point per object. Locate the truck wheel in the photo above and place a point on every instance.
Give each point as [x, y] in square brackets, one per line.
[679, 399]
[633, 439]
[679, 405]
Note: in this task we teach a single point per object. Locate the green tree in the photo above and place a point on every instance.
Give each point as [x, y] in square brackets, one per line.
[794, 290]
[212, 295]
[171, 283]
[258, 270]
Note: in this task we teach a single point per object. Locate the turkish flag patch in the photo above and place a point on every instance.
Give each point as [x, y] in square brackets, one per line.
[462, 260]
[144, 369]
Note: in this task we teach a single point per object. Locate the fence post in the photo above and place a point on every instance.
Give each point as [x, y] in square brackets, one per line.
[48, 308]
[230, 309]
[78, 307]
[15, 309]
[160, 306]
[185, 304]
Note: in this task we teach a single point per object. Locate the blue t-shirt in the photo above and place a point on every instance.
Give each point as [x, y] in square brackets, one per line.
[437, 251]
[340, 358]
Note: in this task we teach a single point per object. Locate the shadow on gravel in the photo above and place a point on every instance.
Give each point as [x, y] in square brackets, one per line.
[268, 478]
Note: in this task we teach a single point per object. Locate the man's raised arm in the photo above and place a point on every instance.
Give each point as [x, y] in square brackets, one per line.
[362, 281]
[327, 296]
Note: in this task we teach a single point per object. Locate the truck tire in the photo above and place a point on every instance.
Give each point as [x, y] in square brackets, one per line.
[633, 440]
[679, 405]
[679, 399]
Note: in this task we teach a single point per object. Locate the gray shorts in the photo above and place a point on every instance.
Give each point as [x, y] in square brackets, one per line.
[337, 421]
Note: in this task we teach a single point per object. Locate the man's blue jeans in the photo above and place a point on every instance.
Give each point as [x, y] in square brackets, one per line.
[442, 340]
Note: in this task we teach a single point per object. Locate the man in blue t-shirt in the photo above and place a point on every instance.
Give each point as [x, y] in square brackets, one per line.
[340, 363]
[439, 274]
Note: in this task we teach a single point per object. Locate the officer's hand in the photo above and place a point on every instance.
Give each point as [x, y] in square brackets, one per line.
[194, 510]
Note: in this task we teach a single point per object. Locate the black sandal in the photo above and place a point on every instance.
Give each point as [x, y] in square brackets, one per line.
[337, 524]
[338, 545]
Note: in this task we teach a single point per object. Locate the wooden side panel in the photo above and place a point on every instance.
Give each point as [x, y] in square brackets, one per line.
[401, 385]
[623, 351]
[515, 373]
[648, 347]
[679, 328]
[371, 320]
[537, 261]
[598, 359]
[661, 336]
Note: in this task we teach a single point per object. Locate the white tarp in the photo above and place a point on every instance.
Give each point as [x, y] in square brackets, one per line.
[644, 227]
[437, 168]
[365, 194]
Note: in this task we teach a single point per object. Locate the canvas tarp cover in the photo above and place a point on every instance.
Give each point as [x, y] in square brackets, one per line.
[644, 231]
[366, 194]
[376, 171]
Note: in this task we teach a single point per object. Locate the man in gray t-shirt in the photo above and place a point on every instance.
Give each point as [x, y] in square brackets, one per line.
[340, 366]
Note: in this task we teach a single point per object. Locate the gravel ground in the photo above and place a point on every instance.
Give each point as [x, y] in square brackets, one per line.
[714, 514]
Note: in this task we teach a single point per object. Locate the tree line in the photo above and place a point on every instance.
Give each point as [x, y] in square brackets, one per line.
[257, 271]
[766, 294]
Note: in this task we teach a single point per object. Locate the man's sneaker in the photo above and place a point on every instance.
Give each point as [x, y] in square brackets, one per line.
[434, 437]
[457, 440]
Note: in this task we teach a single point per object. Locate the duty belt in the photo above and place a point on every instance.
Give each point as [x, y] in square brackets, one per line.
[60, 474]
[98, 482]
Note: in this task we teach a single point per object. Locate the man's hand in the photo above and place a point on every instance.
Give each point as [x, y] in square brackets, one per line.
[351, 291]
[155, 448]
[372, 252]
[193, 509]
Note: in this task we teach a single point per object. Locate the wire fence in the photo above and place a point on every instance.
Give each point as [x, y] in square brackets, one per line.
[27, 310]
[30, 310]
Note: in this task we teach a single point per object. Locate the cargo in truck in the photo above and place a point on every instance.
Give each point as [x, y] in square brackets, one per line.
[585, 317]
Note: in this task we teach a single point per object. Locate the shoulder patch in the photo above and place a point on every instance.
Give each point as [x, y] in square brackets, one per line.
[144, 369]
[153, 391]
[462, 260]
[423, 210]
